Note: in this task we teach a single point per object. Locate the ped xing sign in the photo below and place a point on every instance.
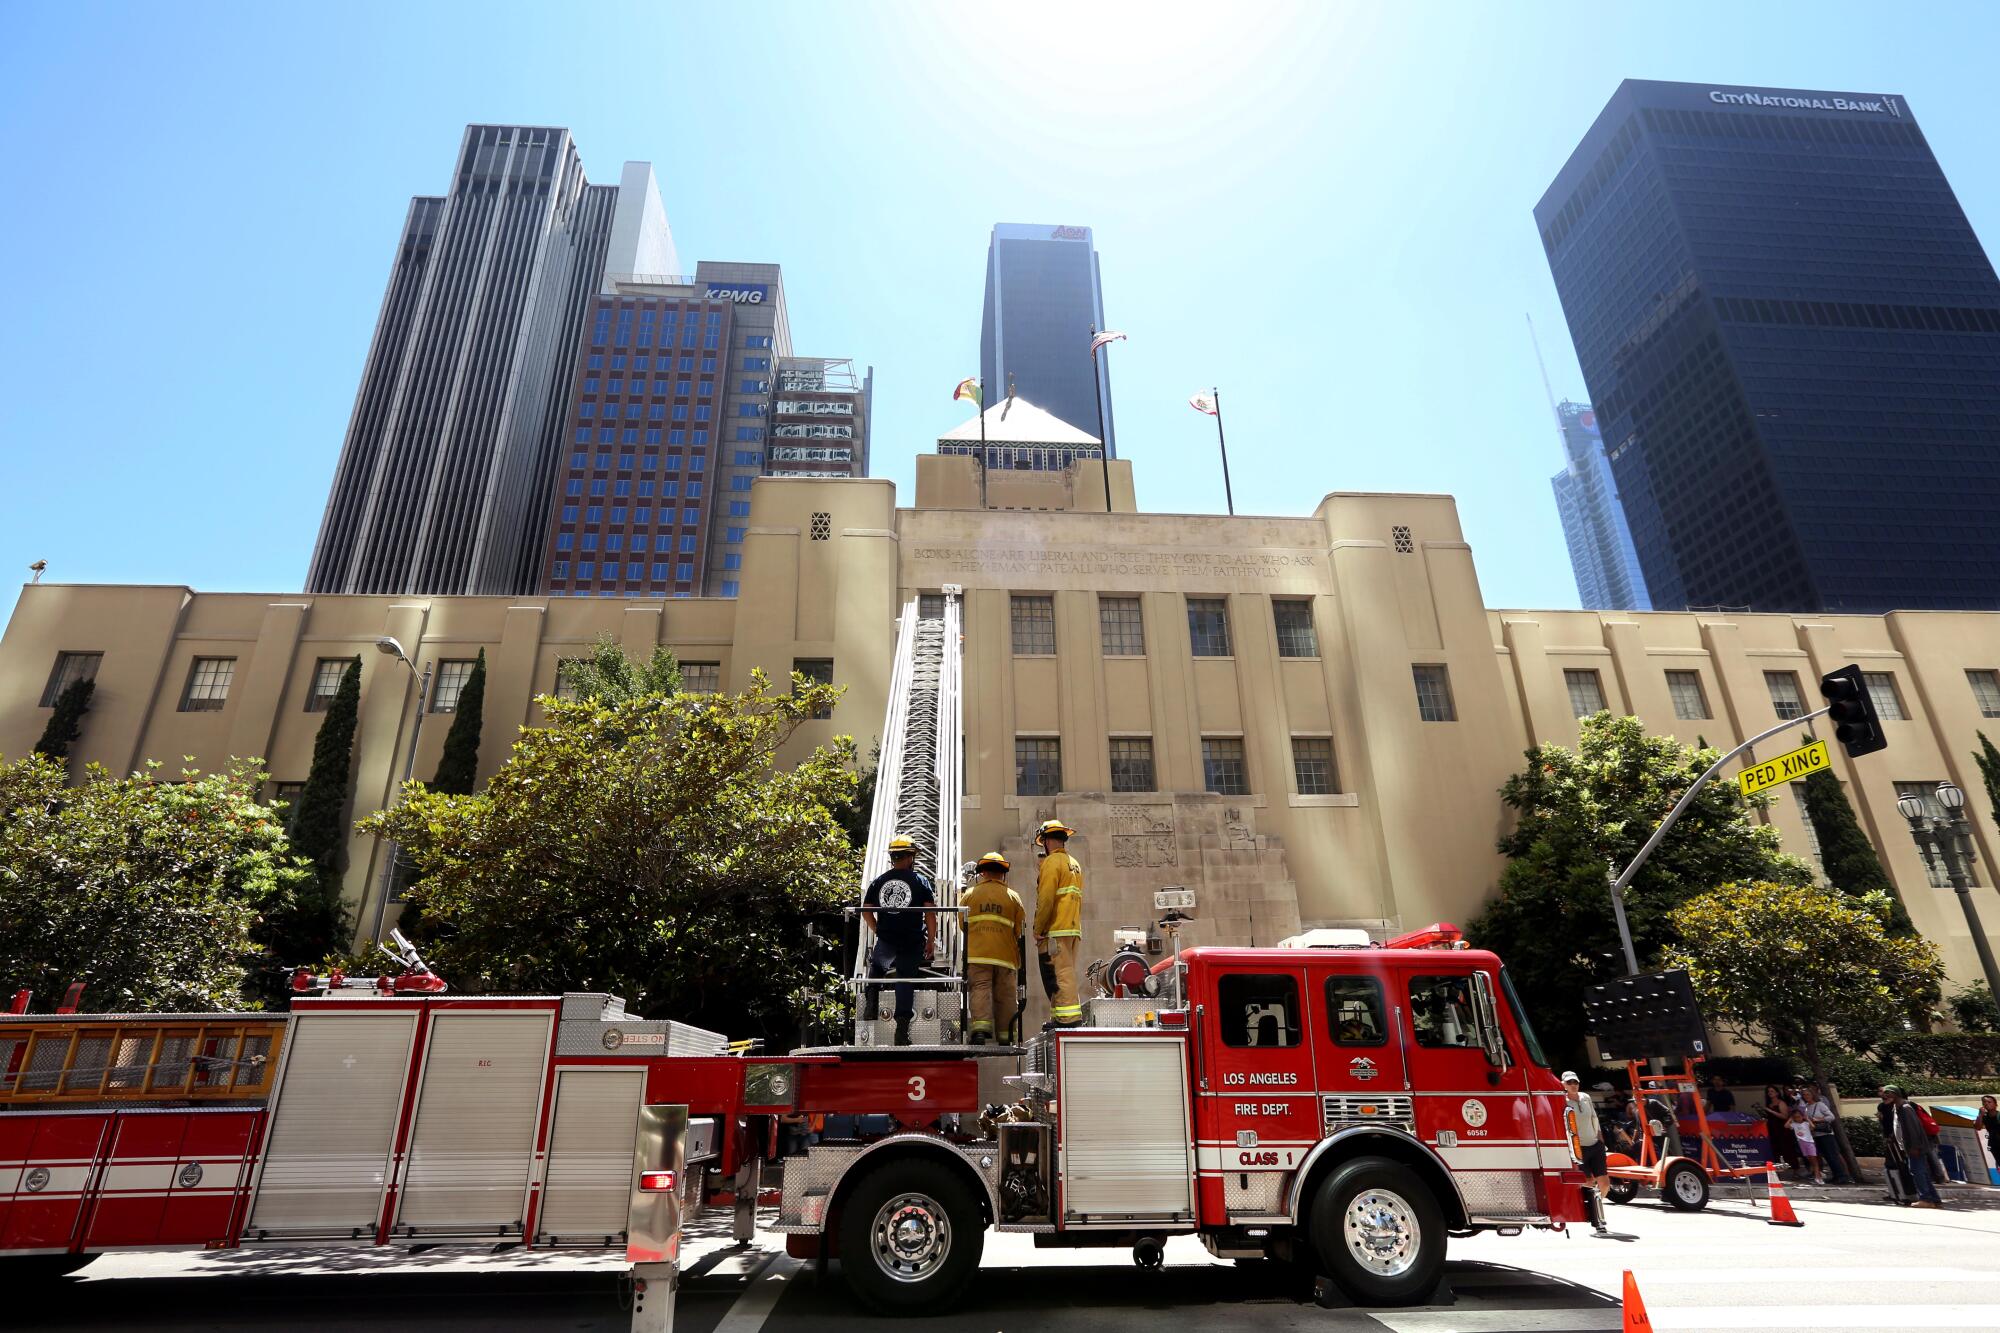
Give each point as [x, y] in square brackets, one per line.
[1806, 759]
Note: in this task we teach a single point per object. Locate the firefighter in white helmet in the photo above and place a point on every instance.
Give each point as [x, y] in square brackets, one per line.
[994, 924]
[1059, 919]
[904, 939]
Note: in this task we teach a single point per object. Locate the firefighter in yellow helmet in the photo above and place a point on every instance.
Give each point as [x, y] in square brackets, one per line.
[1059, 919]
[995, 921]
[905, 939]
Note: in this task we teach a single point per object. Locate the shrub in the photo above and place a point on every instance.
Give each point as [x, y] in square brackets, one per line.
[1864, 1133]
[1944, 1054]
[1744, 1070]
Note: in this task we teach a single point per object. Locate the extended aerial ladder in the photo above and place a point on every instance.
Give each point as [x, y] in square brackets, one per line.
[919, 776]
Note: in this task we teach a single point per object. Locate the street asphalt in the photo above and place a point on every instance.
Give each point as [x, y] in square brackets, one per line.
[1852, 1265]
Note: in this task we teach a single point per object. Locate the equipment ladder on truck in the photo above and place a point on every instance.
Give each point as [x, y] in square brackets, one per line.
[920, 775]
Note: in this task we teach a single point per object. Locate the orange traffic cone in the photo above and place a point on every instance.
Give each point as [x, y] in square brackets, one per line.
[1781, 1207]
[1635, 1309]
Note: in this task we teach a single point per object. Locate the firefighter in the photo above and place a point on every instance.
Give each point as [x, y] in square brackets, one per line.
[1059, 920]
[904, 939]
[994, 924]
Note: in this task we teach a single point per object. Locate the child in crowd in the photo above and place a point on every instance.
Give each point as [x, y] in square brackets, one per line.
[1802, 1131]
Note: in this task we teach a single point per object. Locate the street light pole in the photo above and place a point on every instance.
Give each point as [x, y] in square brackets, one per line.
[391, 648]
[1949, 839]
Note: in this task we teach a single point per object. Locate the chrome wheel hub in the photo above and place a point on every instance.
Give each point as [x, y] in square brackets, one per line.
[912, 1237]
[1380, 1229]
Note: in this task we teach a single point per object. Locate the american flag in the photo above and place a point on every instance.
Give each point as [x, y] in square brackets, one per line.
[1108, 336]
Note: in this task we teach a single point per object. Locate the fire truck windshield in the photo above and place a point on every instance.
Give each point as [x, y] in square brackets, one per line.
[1528, 1036]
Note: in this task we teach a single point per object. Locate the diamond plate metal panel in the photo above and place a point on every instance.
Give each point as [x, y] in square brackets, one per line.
[1497, 1192]
[1103, 1011]
[1263, 1193]
[809, 1184]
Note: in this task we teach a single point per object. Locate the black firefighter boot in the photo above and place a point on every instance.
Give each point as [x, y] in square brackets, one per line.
[902, 1032]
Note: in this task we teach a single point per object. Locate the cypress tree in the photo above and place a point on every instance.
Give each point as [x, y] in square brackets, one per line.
[458, 766]
[319, 827]
[1850, 860]
[66, 721]
[1988, 759]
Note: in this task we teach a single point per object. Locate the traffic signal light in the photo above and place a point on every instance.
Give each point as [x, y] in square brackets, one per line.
[1852, 712]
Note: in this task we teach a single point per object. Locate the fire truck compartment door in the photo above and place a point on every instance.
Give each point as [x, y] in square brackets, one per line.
[1126, 1150]
[596, 1131]
[472, 1146]
[327, 1159]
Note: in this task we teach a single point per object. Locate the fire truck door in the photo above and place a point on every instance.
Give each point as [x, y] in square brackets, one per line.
[1474, 1111]
[1260, 1109]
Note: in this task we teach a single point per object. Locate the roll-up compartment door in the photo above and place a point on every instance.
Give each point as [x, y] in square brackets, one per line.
[587, 1196]
[472, 1147]
[1126, 1151]
[334, 1125]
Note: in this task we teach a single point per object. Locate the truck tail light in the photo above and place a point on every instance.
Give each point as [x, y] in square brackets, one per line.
[658, 1182]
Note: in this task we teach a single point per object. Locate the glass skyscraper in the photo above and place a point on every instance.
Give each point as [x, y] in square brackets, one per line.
[1791, 336]
[1043, 297]
[1608, 577]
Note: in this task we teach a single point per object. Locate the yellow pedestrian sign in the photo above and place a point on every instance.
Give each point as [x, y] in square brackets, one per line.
[1806, 759]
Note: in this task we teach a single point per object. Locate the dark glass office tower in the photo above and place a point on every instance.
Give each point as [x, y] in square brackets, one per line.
[1792, 340]
[1043, 296]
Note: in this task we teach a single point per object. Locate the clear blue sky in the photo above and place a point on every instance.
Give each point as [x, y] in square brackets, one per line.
[1324, 209]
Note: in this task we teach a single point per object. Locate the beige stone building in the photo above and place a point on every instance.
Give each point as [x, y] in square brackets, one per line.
[1305, 719]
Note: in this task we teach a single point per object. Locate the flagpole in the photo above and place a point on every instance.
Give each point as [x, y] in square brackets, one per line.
[1223, 444]
[1103, 444]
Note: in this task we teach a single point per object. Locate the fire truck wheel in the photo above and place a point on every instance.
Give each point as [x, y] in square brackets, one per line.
[1378, 1231]
[1685, 1186]
[1622, 1191]
[910, 1238]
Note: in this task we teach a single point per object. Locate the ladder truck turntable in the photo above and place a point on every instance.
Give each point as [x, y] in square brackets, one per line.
[1340, 1105]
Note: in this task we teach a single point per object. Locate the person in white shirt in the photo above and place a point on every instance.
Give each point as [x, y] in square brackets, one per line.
[1590, 1140]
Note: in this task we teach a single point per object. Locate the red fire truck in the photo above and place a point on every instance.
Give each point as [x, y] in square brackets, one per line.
[1344, 1107]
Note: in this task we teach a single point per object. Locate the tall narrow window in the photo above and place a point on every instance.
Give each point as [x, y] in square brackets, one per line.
[1985, 691]
[1296, 635]
[327, 673]
[450, 683]
[818, 671]
[1132, 763]
[701, 677]
[208, 684]
[1881, 686]
[1312, 766]
[1222, 766]
[1208, 627]
[69, 669]
[1037, 766]
[1122, 628]
[1433, 692]
[1798, 790]
[930, 606]
[1690, 703]
[1586, 692]
[1786, 701]
[1034, 620]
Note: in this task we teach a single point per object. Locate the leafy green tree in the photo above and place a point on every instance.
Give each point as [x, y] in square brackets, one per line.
[1972, 1008]
[317, 922]
[1582, 814]
[1988, 759]
[1804, 964]
[649, 847]
[458, 766]
[150, 891]
[66, 719]
[1845, 851]
[608, 676]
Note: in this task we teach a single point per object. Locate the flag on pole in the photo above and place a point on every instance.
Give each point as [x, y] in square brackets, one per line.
[1108, 336]
[967, 388]
[1203, 402]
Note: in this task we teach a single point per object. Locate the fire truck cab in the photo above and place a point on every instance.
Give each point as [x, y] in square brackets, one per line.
[1345, 1108]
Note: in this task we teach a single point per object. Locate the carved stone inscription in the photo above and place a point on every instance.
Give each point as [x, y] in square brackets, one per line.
[1053, 563]
[1143, 836]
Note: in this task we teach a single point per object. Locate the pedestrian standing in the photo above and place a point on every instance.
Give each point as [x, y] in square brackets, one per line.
[1932, 1156]
[1719, 1097]
[1777, 1113]
[1911, 1144]
[1059, 920]
[1989, 1120]
[1820, 1113]
[1808, 1149]
[1590, 1143]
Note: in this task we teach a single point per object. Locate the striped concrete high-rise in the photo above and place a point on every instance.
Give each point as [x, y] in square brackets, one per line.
[448, 468]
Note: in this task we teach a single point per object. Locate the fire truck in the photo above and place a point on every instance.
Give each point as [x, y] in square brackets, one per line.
[1338, 1104]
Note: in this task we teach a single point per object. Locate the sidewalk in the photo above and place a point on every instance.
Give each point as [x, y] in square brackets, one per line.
[1954, 1194]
